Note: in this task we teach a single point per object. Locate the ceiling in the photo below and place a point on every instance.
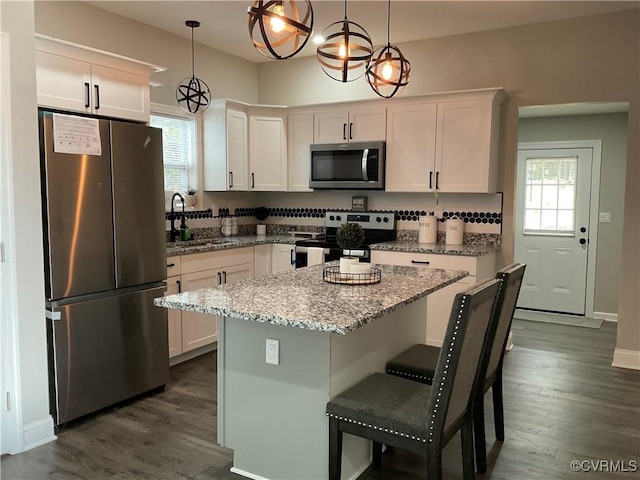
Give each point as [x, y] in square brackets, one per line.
[224, 23]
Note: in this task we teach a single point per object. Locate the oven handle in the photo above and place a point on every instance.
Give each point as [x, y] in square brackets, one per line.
[365, 162]
[293, 257]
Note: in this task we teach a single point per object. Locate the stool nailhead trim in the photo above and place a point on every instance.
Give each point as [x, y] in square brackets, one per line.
[375, 427]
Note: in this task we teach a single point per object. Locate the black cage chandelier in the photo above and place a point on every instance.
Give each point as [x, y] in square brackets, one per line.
[278, 28]
[193, 94]
[345, 51]
[388, 70]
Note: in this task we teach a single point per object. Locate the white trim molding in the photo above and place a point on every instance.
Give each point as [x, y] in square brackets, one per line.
[626, 359]
[607, 317]
[38, 433]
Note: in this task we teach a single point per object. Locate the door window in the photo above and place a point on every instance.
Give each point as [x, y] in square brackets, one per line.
[550, 196]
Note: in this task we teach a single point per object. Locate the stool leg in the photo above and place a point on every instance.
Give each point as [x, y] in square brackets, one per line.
[498, 409]
[335, 449]
[377, 455]
[479, 433]
[466, 435]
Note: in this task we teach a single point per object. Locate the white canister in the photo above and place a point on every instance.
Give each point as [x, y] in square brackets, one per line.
[428, 229]
[455, 231]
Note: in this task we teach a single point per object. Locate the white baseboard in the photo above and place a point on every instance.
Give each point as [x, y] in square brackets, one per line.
[509, 344]
[192, 354]
[608, 317]
[626, 359]
[246, 474]
[253, 476]
[38, 433]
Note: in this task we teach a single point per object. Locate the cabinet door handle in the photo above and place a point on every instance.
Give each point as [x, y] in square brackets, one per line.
[87, 93]
[169, 265]
[437, 180]
[253, 180]
[293, 257]
[224, 276]
[344, 131]
[97, 87]
[219, 278]
[420, 262]
[230, 179]
[351, 131]
[179, 283]
[430, 180]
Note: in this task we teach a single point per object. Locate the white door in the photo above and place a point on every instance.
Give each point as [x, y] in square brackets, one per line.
[267, 154]
[553, 196]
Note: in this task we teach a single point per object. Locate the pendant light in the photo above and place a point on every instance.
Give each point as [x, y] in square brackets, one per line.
[277, 29]
[388, 70]
[345, 51]
[193, 94]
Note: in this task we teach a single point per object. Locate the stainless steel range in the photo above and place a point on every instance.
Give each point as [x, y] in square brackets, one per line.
[378, 227]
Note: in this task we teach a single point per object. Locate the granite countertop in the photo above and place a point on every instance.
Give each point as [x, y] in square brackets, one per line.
[302, 299]
[223, 243]
[438, 248]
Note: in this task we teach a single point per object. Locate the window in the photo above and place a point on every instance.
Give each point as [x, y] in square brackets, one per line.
[179, 147]
[550, 195]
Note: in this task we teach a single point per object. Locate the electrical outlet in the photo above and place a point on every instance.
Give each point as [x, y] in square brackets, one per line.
[605, 217]
[273, 351]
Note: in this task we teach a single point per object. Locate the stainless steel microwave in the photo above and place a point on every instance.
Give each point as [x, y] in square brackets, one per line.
[357, 165]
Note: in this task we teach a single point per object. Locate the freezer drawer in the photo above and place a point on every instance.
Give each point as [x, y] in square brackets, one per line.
[105, 350]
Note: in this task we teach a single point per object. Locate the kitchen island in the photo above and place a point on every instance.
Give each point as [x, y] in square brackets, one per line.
[329, 337]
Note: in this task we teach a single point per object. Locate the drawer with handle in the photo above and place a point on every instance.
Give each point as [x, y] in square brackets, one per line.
[450, 262]
[173, 266]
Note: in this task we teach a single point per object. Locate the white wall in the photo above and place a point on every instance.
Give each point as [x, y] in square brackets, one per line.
[17, 21]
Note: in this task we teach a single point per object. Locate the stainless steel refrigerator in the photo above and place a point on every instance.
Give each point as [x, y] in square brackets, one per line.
[105, 261]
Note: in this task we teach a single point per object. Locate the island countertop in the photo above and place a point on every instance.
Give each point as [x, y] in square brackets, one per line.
[302, 299]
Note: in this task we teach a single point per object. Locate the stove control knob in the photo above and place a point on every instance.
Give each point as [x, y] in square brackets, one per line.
[338, 217]
[386, 219]
[332, 218]
[378, 219]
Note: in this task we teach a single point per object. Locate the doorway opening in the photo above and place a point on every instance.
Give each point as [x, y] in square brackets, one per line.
[569, 203]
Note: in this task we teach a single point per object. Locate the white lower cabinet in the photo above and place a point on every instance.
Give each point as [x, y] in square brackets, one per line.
[282, 257]
[190, 330]
[439, 303]
[262, 259]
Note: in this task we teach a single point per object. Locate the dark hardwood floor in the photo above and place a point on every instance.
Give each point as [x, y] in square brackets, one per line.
[563, 402]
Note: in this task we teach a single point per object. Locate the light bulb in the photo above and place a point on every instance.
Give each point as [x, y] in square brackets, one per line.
[277, 24]
[387, 71]
[342, 51]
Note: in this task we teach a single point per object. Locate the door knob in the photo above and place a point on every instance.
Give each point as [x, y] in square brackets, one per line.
[583, 241]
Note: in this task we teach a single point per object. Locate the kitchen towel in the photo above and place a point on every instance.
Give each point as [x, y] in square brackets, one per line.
[315, 256]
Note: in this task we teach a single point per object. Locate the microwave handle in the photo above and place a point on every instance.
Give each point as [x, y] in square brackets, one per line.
[365, 162]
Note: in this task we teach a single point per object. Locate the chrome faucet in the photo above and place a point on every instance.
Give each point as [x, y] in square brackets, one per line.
[174, 232]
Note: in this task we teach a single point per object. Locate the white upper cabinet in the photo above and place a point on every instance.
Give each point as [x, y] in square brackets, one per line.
[466, 157]
[75, 78]
[267, 153]
[226, 148]
[299, 141]
[449, 144]
[411, 145]
[358, 124]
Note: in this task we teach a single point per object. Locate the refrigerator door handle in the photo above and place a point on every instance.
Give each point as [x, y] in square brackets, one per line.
[50, 314]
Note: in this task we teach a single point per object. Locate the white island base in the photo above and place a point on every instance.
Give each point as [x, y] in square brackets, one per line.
[273, 416]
